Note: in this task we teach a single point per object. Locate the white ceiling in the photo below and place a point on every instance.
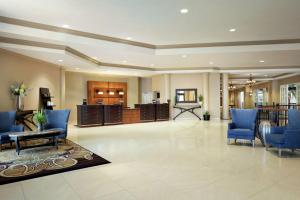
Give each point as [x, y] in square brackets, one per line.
[160, 22]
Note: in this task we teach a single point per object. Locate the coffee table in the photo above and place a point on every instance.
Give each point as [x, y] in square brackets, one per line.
[17, 137]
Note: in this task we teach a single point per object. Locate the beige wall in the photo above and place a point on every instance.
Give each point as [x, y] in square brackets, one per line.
[195, 80]
[76, 89]
[34, 73]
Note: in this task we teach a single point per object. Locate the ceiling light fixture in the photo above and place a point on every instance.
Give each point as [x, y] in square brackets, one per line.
[66, 26]
[129, 38]
[60, 60]
[250, 81]
[211, 63]
[265, 75]
[232, 30]
[124, 61]
[184, 10]
[77, 68]
[151, 65]
[261, 61]
[184, 56]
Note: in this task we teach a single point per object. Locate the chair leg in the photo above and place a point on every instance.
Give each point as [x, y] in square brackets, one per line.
[279, 152]
[253, 143]
[267, 147]
[0, 147]
[235, 141]
[228, 141]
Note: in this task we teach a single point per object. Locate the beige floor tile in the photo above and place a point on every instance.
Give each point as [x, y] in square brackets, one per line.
[11, 191]
[49, 187]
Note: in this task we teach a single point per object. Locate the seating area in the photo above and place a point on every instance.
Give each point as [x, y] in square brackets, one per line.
[149, 100]
[245, 125]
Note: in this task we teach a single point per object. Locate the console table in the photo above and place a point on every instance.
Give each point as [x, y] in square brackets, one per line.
[187, 109]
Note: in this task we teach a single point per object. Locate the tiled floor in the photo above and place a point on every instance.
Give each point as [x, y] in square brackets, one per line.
[167, 160]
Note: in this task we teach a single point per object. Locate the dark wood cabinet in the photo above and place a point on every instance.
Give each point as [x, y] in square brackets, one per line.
[162, 111]
[90, 115]
[113, 114]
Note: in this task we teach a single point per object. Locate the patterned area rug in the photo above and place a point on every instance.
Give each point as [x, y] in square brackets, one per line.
[43, 161]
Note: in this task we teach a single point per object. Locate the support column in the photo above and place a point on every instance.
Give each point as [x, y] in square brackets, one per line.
[225, 97]
[205, 91]
[62, 88]
[167, 93]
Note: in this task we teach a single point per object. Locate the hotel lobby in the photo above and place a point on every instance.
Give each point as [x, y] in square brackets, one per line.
[158, 100]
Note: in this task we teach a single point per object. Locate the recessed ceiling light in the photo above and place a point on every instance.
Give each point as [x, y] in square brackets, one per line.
[129, 38]
[184, 10]
[211, 63]
[95, 57]
[266, 75]
[232, 30]
[77, 68]
[124, 61]
[152, 65]
[60, 60]
[261, 61]
[184, 56]
[66, 26]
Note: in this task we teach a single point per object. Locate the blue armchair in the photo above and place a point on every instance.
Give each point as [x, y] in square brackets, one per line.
[57, 119]
[243, 125]
[286, 137]
[7, 125]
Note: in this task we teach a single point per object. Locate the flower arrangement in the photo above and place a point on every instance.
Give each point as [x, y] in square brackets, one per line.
[19, 89]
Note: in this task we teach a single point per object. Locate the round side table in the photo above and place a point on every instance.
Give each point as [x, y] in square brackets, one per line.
[264, 129]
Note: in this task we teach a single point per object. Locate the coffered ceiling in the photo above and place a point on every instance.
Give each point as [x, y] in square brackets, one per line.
[149, 37]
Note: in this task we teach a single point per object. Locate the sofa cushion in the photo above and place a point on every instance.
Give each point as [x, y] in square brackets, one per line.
[244, 118]
[293, 119]
[275, 138]
[4, 137]
[7, 120]
[240, 133]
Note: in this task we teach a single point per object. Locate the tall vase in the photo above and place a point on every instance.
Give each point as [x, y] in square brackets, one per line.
[19, 103]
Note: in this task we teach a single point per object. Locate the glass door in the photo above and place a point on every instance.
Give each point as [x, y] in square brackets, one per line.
[284, 94]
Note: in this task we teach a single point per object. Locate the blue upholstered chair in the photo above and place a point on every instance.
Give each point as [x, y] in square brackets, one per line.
[243, 125]
[286, 137]
[7, 125]
[57, 119]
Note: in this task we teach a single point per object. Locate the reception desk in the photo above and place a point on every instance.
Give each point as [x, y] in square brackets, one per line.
[99, 115]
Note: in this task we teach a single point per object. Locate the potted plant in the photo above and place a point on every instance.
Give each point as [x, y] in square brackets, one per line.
[40, 119]
[200, 98]
[19, 90]
[206, 116]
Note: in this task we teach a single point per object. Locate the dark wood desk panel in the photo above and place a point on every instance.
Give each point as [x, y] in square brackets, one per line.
[90, 115]
[113, 114]
[162, 112]
[147, 112]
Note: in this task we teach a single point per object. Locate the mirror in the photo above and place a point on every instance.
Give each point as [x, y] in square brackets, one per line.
[186, 96]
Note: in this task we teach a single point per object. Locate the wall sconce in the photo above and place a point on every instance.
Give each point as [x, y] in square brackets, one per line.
[111, 93]
[121, 93]
[100, 92]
